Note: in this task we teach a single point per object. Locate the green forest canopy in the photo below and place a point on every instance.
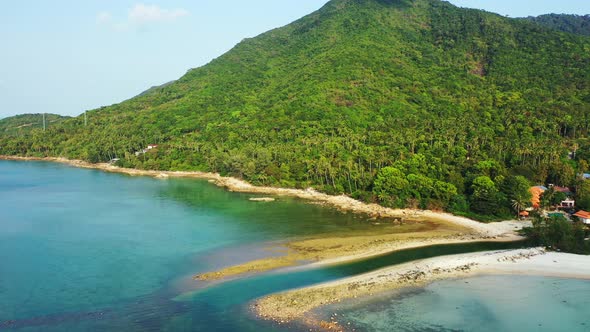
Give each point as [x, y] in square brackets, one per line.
[578, 24]
[408, 103]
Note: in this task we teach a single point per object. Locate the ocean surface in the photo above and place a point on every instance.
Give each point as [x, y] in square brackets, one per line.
[84, 250]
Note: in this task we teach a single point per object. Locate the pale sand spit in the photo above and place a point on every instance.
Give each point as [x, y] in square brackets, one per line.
[295, 304]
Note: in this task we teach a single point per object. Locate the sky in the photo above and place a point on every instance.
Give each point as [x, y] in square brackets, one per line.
[67, 56]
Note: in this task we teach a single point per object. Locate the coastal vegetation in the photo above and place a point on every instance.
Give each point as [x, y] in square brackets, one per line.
[407, 103]
[558, 233]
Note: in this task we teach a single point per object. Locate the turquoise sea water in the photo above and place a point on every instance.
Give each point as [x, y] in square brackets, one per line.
[485, 303]
[84, 250]
[82, 245]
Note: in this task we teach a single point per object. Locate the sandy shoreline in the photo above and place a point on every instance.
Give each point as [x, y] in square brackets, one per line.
[295, 304]
[341, 202]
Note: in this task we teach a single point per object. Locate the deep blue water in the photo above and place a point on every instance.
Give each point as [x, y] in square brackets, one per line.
[84, 250]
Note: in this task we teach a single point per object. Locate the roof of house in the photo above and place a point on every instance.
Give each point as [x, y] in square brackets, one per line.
[582, 214]
[564, 190]
[536, 195]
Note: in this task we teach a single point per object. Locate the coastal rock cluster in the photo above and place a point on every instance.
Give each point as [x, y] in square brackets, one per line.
[522, 255]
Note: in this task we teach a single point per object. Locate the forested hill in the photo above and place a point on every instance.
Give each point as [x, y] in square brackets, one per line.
[409, 103]
[577, 24]
[25, 123]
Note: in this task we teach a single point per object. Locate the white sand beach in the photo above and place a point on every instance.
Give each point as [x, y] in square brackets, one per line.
[295, 304]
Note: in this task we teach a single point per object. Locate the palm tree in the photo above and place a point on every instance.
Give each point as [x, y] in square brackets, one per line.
[519, 206]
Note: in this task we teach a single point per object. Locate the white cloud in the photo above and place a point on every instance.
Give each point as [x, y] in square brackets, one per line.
[143, 14]
[104, 18]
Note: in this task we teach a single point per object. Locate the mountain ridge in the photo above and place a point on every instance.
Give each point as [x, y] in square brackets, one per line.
[576, 24]
[24, 123]
[419, 97]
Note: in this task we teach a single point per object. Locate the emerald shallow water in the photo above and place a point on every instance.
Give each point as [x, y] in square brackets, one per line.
[86, 250]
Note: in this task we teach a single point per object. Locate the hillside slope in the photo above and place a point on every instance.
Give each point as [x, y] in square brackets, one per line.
[411, 103]
[25, 123]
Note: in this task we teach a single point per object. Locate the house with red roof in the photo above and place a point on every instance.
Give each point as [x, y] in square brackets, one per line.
[567, 191]
[583, 216]
[537, 192]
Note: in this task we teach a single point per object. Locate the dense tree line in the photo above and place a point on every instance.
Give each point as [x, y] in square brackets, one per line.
[417, 104]
[559, 234]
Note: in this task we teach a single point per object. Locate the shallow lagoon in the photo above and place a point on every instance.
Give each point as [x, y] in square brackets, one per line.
[484, 303]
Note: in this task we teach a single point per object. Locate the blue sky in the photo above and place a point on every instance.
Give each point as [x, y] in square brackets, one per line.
[66, 56]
